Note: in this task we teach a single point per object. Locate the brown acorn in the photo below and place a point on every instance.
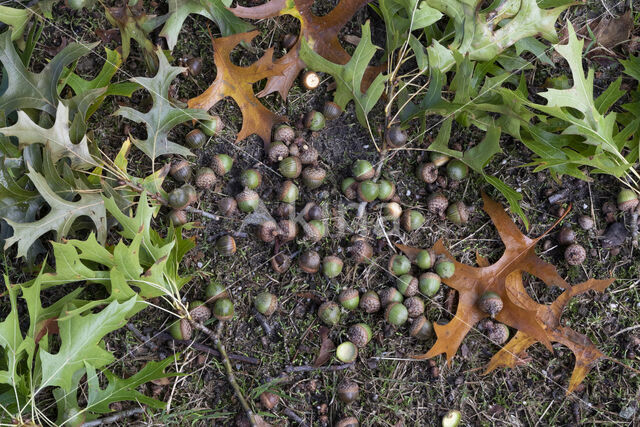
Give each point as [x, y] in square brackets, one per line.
[309, 262]
[348, 422]
[226, 245]
[437, 204]
[228, 206]
[284, 133]
[308, 155]
[421, 328]
[396, 136]
[313, 211]
[288, 230]
[575, 254]
[178, 217]
[205, 178]
[348, 391]
[370, 302]
[585, 222]
[277, 151]
[181, 171]
[285, 210]
[360, 250]
[491, 303]
[194, 65]
[428, 173]
[566, 236]
[268, 231]
[269, 400]
[289, 40]
[458, 213]
[199, 312]
[281, 263]
[181, 330]
[331, 110]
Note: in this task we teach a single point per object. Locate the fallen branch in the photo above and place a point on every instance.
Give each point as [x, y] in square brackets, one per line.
[113, 418]
[231, 379]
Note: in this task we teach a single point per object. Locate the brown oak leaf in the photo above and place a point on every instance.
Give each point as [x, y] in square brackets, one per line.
[321, 30]
[534, 322]
[237, 82]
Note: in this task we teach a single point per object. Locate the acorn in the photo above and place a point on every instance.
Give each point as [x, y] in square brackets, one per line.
[349, 188]
[191, 192]
[269, 400]
[205, 178]
[223, 309]
[178, 198]
[457, 170]
[313, 212]
[458, 213]
[308, 155]
[427, 172]
[407, 285]
[360, 334]
[395, 136]
[268, 231]
[212, 127]
[288, 230]
[437, 204]
[421, 328]
[386, 190]
[349, 298]
[499, 333]
[348, 422]
[367, 191]
[309, 262]
[360, 250]
[289, 40]
[491, 303]
[277, 151]
[194, 65]
[181, 330]
[286, 210]
[294, 150]
[226, 245]
[390, 295]
[332, 266]
[392, 211]
[227, 206]
[290, 167]
[314, 120]
[288, 192]
[362, 170]
[429, 284]
[412, 220]
[199, 312]
[221, 164]
[266, 303]
[195, 139]
[329, 313]
[313, 176]
[284, 133]
[348, 391]
[331, 110]
[445, 268]
[399, 265]
[566, 236]
[396, 314]
[415, 306]
[215, 290]
[370, 302]
[178, 217]
[439, 159]
[627, 200]
[451, 419]
[585, 222]
[575, 254]
[181, 171]
[281, 263]
[251, 178]
[310, 80]
[347, 352]
[424, 259]
[247, 200]
[315, 230]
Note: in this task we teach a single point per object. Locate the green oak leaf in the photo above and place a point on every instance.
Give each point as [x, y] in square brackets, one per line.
[25, 89]
[404, 16]
[17, 19]
[349, 76]
[80, 338]
[56, 139]
[163, 116]
[215, 10]
[60, 218]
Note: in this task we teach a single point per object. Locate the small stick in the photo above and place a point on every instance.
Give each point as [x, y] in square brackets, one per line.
[289, 413]
[113, 418]
[309, 368]
[203, 213]
[266, 327]
[146, 341]
[212, 351]
[634, 227]
[231, 379]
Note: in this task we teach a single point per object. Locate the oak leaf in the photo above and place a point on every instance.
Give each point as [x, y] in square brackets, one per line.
[534, 322]
[320, 31]
[237, 82]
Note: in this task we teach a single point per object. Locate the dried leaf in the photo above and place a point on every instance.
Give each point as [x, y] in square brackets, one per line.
[326, 347]
[322, 31]
[534, 322]
[237, 82]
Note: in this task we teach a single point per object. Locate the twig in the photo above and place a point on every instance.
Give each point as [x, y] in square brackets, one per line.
[309, 368]
[203, 213]
[145, 340]
[212, 351]
[634, 227]
[113, 418]
[622, 331]
[266, 327]
[295, 417]
[231, 379]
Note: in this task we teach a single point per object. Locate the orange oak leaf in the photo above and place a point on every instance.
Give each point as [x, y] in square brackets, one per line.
[236, 82]
[534, 322]
[322, 31]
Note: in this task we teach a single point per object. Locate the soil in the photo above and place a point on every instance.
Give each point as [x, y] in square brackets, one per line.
[394, 389]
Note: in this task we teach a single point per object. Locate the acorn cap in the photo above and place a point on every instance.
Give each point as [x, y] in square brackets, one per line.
[181, 330]
[627, 200]
[421, 328]
[498, 333]
[309, 262]
[428, 173]
[575, 254]
[205, 178]
[415, 306]
[308, 155]
[284, 133]
[349, 298]
[360, 334]
[348, 391]
[277, 151]
[437, 204]
[491, 303]
[361, 250]
[370, 302]
[199, 311]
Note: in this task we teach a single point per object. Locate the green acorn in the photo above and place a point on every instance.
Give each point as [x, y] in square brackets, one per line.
[407, 285]
[290, 167]
[368, 191]
[362, 170]
[226, 245]
[181, 171]
[445, 268]
[266, 303]
[212, 127]
[439, 159]
[191, 193]
[349, 298]
[223, 309]
[458, 213]
[396, 314]
[195, 139]
[181, 330]
[390, 295]
[251, 178]
[392, 211]
[424, 260]
[451, 419]
[386, 190]
[347, 352]
[288, 192]
[314, 120]
[412, 220]
[349, 188]
[399, 265]
[221, 164]
[429, 284]
[178, 199]
[457, 170]
[329, 313]
[332, 266]
[627, 200]
[421, 328]
[247, 200]
[215, 290]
